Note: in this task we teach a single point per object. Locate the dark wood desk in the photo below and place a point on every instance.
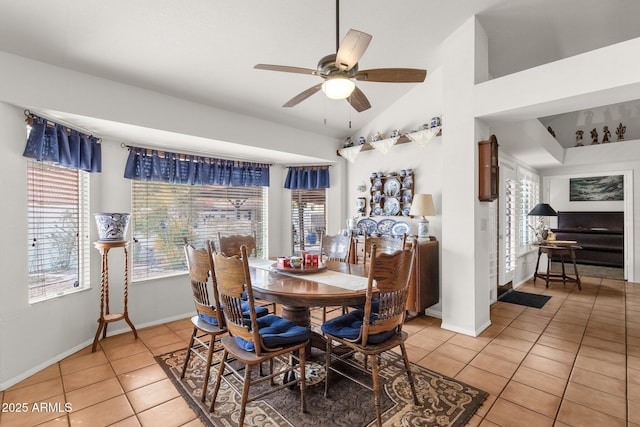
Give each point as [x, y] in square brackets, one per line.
[298, 293]
[561, 252]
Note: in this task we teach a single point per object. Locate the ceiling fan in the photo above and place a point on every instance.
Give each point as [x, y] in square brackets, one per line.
[339, 69]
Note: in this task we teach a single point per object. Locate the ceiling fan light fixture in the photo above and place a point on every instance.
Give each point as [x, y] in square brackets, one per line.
[338, 87]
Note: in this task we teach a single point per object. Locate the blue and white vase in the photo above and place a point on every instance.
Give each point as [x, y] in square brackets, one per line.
[112, 226]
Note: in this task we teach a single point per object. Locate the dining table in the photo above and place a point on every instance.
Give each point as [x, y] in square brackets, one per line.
[298, 290]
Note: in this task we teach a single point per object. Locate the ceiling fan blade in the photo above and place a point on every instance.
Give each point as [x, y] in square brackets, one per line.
[392, 75]
[351, 49]
[285, 68]
[358, 100]
[303, 95]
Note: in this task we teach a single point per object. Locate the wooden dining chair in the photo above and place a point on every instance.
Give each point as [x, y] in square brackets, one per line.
[388, 285]
[255, 340]
[335, 248]
[385, 244]
[230, 245]
[208, 323]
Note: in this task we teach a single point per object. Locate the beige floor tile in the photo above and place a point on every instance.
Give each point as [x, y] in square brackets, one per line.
[36, 392]
[34, 416]
[605, 345]
[513, 342]
[151, 395]
[494, 365]
[78, 363]
[596, 399]
[484, 380]
[88, 376]
[577, 415]
[442, 364]
[558, 343]
[61, 421]
[127, 422]
[634, 412]
[472, 343]
[598, 381]
[540, 380]
[175, 412]
[118, 352]
[601, 366]
[108, 412]
[554, 354]
[507, 414]
[94, 393]
[531, 398]
[133, 362]
[179, 345]
[548, 366]
[523, 334]
[426, 342]
[456, 352]
[141, 377]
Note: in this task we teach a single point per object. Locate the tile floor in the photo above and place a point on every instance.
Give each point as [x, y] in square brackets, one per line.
[575, 362]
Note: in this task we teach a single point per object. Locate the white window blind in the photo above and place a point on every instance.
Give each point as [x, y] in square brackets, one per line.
[510, 225]
[164, 214]
[308, 219]
[528, 198]
[58, 230]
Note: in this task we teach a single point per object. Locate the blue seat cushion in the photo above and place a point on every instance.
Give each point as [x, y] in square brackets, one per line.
[260, 311]
[276, 332]
[348, 326]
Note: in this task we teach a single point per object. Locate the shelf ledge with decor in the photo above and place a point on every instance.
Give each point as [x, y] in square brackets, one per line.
[420, 137]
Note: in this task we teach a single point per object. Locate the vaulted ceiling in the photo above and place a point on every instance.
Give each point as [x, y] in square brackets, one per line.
[204, 51]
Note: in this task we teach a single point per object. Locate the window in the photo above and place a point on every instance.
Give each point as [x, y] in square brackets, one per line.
[307, 219]
[164, 214]
[509, 225]
[528, 197]
[58, 230]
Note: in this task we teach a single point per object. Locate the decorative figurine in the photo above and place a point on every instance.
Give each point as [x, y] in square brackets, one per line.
[594, 136]
[620, 132]
[579, 134]
[605, 134]
[551, 131]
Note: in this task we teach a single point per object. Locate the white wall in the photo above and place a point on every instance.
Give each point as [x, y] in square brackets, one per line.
[34, 336]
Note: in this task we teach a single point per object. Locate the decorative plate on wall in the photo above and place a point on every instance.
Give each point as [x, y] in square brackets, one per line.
[392, 187]
[367, 226]
[391, 206]
[399, 228]
[385, 225]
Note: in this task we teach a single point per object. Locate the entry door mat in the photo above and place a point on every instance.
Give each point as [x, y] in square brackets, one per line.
[525, 298]
[445, 401]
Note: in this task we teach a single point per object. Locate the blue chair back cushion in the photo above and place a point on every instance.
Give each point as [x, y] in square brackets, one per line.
[348, 326]
[260, 311]
[276, 332]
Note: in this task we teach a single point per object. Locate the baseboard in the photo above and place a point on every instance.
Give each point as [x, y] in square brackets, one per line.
[15, 380]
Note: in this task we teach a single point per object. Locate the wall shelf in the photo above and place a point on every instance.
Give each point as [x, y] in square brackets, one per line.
[423, 135]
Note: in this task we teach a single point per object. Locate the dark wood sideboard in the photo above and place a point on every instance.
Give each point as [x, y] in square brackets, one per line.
[425, 282]
[600, 234]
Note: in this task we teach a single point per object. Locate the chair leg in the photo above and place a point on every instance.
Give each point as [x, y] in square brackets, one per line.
[223, 364]
[208, 367]
[376, 388]
[186, 359]
[245, 394]
[407, 366]
[327, 366]
[303, 380]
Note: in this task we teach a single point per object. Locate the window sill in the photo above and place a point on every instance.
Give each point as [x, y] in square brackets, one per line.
[60, 295]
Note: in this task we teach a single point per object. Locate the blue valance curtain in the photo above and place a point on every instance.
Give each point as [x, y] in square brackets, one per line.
[307, 178]
[65, 147]
[151, 165]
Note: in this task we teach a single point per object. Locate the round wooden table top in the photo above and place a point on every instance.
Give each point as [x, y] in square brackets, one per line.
[302, 291]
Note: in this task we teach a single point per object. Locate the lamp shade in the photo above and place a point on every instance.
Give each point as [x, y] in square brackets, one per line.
[422, 205]
[542, 209]
[338, 87]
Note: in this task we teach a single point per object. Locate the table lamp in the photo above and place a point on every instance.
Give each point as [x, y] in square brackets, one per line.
[542, 209]
[422, 205]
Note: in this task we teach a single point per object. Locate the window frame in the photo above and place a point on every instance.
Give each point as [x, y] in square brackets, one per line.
[51, 188]
[310, 218]
[198, 215]
[528, 197]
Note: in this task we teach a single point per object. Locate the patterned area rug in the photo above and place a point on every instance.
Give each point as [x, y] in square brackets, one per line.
[446, 402]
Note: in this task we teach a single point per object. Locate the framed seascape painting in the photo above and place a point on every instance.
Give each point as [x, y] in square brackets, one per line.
[596, 188]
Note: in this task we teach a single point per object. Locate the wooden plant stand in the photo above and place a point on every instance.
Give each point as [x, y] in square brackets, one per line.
[105, 316]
